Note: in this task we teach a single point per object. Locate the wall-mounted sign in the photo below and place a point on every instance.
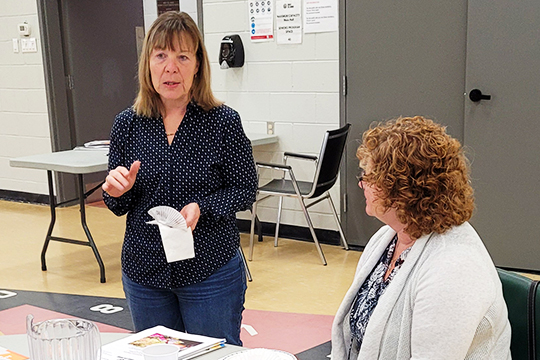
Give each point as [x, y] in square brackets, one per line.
[320, 16]
[167, 5]
[289, 21]
[261, 20]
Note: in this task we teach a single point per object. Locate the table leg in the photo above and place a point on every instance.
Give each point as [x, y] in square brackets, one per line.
[52, 205]
[87, 231]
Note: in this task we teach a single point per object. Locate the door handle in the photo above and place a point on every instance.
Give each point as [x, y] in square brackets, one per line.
[476, 95]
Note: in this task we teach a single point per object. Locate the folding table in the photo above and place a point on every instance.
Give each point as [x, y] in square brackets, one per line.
[79, 161]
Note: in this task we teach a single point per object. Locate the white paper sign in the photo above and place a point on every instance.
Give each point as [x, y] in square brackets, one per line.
[289, 21]
[320, 16]
[261, 20]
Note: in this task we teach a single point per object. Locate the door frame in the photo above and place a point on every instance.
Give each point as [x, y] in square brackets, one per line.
[343, 113]
[60, 122]
[59, 67]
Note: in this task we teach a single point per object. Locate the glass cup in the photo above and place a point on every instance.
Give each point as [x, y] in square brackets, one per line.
[161, 352]
[63, 339]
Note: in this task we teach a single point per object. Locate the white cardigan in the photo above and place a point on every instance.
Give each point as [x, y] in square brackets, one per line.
[445, 302]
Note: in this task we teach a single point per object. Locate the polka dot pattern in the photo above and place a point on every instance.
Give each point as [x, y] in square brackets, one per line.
[209, 162]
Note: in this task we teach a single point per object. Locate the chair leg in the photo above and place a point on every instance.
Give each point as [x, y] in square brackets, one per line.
[311, 229]
[341, 233]
[280, 206]
[306, 214]
[252, 230]
[248, 273]
[258, 225]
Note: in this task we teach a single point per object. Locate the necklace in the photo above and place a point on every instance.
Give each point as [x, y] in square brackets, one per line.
[169, 134]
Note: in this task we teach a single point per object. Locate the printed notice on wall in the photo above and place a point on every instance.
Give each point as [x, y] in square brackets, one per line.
[261, 20]
[320, 16]
[167, 5]
[289, 21]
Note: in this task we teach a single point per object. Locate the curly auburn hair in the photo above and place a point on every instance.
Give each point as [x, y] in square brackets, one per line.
[421, 171]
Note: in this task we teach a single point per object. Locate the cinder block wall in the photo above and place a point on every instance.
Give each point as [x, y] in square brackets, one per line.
[294, 86]
[24, 120]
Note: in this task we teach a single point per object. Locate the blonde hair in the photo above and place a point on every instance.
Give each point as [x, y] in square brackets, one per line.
[170, 28]
[419, 170]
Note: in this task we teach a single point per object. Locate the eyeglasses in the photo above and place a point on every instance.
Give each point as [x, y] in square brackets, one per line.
[360, 178]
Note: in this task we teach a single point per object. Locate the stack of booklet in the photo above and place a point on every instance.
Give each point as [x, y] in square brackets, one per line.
[190, 345]
[97, 144]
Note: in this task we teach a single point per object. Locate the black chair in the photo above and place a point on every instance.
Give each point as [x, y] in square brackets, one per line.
[326, 174]
[522, 298]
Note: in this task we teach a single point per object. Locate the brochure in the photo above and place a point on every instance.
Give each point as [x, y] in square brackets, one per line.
[10, 355]
[97, 144]
[190, 345]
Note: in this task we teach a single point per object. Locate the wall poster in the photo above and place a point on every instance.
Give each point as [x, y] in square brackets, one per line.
[261, 20]
[320, 16]
[167, 5]
[289, 21]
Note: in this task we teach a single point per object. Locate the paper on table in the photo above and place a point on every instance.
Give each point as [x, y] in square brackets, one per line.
[98, 144]
[176, 236]
[190, 345]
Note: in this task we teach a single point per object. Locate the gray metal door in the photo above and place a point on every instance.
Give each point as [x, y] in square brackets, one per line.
[90, 51]
[101, 56]
[399, 58]
[502, 134]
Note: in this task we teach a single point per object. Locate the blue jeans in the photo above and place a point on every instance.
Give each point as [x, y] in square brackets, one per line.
[212, 307]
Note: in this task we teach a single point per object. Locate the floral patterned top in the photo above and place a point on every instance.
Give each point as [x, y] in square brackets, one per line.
[368, 296]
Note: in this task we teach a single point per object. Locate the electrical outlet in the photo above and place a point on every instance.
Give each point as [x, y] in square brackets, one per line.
[270, 127]
[28, 45]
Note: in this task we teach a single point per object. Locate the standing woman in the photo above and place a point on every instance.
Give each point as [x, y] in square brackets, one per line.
[425, 286]
[179, 146]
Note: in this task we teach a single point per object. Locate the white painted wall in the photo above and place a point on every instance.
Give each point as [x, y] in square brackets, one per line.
[295, 86]
[24, 120]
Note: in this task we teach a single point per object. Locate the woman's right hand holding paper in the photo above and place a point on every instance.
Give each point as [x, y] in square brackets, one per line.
[121, 180]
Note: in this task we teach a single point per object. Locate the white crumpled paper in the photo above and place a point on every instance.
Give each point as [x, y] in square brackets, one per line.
[176, 236]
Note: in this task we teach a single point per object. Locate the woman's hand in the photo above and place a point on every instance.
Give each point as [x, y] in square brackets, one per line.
[191, 213]
[121, 179]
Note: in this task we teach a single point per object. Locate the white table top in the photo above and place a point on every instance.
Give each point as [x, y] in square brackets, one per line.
[19, 344]
[261, 139]
[86, 161]
[78, 161]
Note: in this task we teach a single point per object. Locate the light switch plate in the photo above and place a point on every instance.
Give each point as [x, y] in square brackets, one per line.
[15, 45]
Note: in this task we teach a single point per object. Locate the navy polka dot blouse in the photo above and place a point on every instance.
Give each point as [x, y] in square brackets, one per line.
[209, 162]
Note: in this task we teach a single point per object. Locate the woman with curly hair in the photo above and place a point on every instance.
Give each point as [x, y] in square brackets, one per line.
[425, 286]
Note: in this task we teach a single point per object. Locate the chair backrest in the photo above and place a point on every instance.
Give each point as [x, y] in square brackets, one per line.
[519, 294]
[330, 156]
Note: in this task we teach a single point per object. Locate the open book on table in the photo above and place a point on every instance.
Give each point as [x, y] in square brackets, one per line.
[130, 348]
